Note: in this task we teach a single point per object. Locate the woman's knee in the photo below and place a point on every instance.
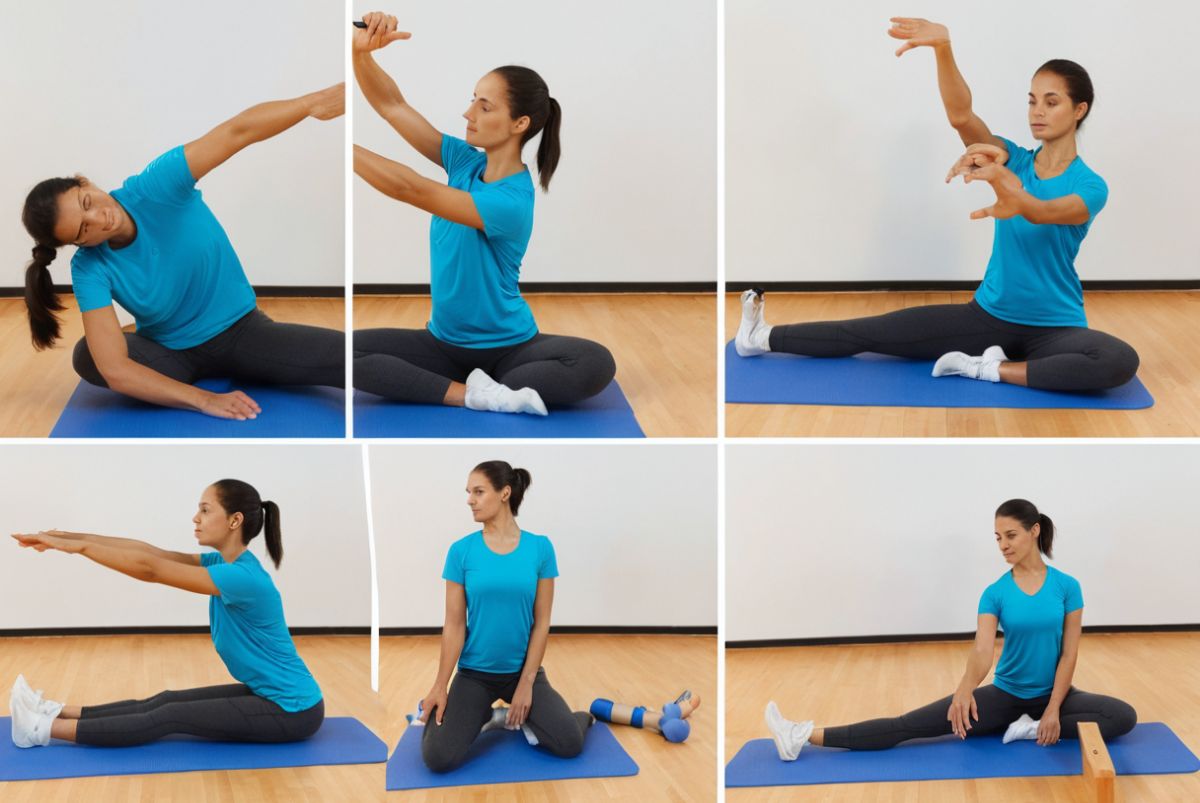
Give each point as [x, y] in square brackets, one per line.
[1119, 719]
[437, 752]
[567, 744]
[1120, 362]
[601, 367]
[84, 365]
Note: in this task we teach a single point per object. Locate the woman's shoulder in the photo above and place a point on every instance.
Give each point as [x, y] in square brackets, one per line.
[1061, 578]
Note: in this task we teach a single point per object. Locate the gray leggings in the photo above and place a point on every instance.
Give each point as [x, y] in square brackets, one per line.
[997, 708]
[229, 713]
[1071, 358]
[469, 707]
[255, 349]
[411, 365]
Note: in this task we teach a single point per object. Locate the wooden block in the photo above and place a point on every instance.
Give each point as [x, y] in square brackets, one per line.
[1098, 772]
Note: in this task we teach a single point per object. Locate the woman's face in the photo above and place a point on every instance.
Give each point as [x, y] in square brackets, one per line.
[489, 120]
[1014, 540]
[1051, 113]
[213, 525]
[485, 501]
[88, 216]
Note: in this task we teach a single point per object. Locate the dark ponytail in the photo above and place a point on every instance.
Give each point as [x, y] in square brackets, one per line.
[40, 215]
[1027, 514]
[1079, 84]
[528, 96]
[236, 496]
[501, 474]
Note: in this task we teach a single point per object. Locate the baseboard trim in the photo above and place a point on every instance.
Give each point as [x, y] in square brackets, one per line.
[917, 286]
[917, 637]
[168, 630]
[576, 630]
[580, 288]
[263, 291]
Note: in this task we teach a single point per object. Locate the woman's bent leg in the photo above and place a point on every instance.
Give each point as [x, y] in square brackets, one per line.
[557, 728]
[562, 369]
[178, 365]
[259, 349]
[1078, 359]
[1115, 717]
[403, 365]
[468, 708]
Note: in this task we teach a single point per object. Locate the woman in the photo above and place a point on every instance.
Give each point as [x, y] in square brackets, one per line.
[1026, 323]
[154, 247]
[499, 592]
[276, 698]
[481, 348]
[1040, 610]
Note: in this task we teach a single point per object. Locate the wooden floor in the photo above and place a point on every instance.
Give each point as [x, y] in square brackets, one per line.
[35, 385]
[664, 345]
[639, 670]
[1158, 674]
[1160, 325]
[97, 669]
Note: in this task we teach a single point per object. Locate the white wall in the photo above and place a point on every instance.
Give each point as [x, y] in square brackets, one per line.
[857, 540]
[103, 88]
[634, 528]
[837, 150]
[634, 197]
[150, 493]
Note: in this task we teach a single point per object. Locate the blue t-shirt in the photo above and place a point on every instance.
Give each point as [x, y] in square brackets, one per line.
[251, 636]
[500, 592]
[474, 273]
[1031, 276]
[180, 276]
[1033, 630]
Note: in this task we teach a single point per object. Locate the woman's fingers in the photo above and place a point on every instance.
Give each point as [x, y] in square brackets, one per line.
[980, 214]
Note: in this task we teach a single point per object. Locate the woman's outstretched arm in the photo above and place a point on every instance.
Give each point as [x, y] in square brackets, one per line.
[1013, 200]
[522, 699]
[382, 92]
[454, 635]
[136, 564]
[405, 184]
[106, 342]
[979, 663]
[258, 123]
[956, 95]
[187, 558]
[1049, 727]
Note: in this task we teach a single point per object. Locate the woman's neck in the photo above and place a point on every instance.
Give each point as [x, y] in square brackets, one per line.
[232, 549]
[503, 161]
[502, 527]
[1056, 155]
[1031, 566]
[127, 233]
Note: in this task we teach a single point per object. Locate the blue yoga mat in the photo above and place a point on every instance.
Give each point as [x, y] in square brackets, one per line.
[287, 412]
[875, 380]
[503, 756]
[1151, 748]
[341, 740]
[607, 415]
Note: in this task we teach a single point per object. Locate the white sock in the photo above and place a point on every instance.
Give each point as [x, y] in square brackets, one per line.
[485, 393]
[790, 737]
[499, 720]
[31, 726]
[985, 367]
[753, 334]
[1024, 728]
[415, 717]
[529, 737]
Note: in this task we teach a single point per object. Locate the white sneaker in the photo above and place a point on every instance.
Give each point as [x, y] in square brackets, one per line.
[30, 727]
[485, 393]
[985, 367]
[33, 699]
[790, 737]
[1024, 728]
[753, 334]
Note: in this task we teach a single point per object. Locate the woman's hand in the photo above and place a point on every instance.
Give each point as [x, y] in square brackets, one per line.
[235, 405]
[918, 33]
[380, 32]
[518, 709]
[962, 711]
[977, 156]
[49, 539]
[1010, 195]
[435, 699]
[1049, 728]
[328, 103]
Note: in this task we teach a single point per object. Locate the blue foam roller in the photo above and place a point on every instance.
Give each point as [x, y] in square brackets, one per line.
[607, 415]
[341, 740]
[503, 756]
[291, 411]
[1151, 748]
[878, 381]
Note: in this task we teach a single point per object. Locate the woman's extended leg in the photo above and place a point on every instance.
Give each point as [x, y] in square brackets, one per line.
[557, 728]
[260, 349]
[226, 713]
[468, 708]
[403, 365]
[1115, 717]
[562, 369]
